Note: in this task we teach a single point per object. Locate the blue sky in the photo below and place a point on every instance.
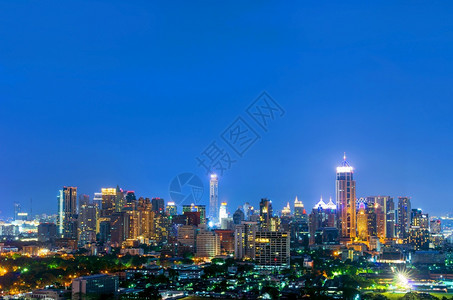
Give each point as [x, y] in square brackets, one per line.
[96, 93]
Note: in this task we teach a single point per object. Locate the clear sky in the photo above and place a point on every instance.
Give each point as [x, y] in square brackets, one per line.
[99, 93]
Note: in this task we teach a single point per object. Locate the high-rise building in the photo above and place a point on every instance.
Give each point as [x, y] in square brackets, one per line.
[108, 201]
[266, 213]
[299, 211]
[119, 228]
[379, 208]
[272, 249]
[171, 209]
[346, 201]
[196, 208]
[208, 244]
[83, 199]
[362, 223]
[404, 217]
[248, 211]
[187, 236]
[214, 198]
[223, 213]
[286, 211]
[158, 205]
[47, 233]
[119, 200]
[419, 234]
[238, 216]
[130, 197]
[323, 216]
[97, 200]
[390, 219]
[299, 227]
[88, 214]
[67, 212]
[244, 240]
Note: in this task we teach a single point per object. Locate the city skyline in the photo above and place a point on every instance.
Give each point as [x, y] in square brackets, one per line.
[214, 179]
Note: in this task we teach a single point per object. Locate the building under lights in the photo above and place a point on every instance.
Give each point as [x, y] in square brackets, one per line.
[404, 217]
[272, 249]
[346, 201]
[266, 213]
[171, 209]
[214, 198]
[67, 212]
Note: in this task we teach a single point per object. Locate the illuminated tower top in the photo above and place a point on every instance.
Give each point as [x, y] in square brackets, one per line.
[345, 167]
[286, 210]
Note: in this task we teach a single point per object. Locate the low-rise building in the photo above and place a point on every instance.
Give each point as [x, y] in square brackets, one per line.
[100, 284]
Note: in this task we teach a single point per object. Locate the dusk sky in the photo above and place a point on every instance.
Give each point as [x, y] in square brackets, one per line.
[103, 93]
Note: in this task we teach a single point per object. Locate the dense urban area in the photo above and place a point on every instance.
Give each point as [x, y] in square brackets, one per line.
[120, 246]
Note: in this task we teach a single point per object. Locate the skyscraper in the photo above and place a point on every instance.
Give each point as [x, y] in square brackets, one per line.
[223, 214]
[87, 223]
[158, 205]
[362, 223]
[272, 249]
[299, 211]
[346, 201]
[67, 212]
[214, 198]
[381, 207]
[108, 201]
[171, 209]
[404, 217]
[266, 213]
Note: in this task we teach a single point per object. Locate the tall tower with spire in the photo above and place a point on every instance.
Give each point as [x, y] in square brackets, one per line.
[214, 198]
[346, 201]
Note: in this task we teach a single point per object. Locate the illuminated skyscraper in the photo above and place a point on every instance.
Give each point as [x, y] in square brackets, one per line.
[214, 198]
[286, 211]
[323, 217]
[362, 223]
[266, 213]
[404, 217]
[87, 223]
[299, 227]
[346, 201]
[158, 205]
[171, 209]
[201, 209]
[97, 200]
[119, 200]
[299, 211]
[67, 212]
[381, 208]
[108, 201]
[223, 214]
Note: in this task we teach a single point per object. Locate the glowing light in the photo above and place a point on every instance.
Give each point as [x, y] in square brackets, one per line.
[344, 169]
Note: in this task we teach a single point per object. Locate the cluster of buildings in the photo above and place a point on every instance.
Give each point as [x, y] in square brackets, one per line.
[117, 218]
[373, 221]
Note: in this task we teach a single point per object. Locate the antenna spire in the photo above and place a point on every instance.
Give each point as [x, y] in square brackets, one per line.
[344, 156]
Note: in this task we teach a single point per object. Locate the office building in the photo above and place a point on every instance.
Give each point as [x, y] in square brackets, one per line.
[346, 201]
[272, 249]
[214, 198]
